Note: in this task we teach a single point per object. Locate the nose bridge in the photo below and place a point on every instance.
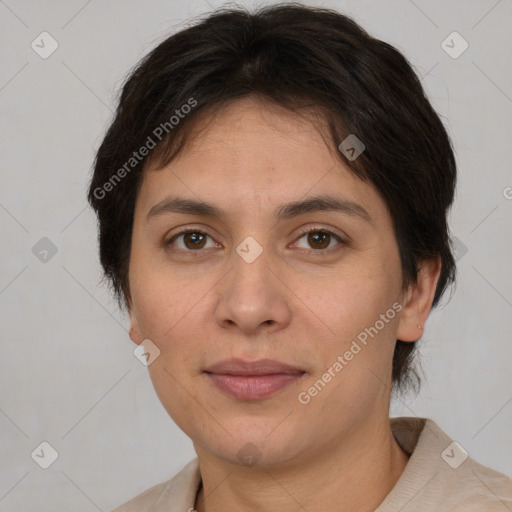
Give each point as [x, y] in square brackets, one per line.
[251, 294]
[251, 266]
[249, 250]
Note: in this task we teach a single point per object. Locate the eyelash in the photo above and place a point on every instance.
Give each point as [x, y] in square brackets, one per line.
[341, 242]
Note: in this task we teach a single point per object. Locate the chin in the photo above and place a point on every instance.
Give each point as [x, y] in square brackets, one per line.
[256, 445]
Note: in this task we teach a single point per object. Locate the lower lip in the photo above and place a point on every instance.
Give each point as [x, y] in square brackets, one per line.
[253, 387]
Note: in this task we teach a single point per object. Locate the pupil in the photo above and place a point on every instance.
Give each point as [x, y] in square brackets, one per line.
[194, 238]
[317, 238]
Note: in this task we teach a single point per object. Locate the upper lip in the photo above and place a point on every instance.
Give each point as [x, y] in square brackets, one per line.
[237, 366]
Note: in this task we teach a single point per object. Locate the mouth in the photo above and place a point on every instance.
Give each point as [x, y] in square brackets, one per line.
[246, 380]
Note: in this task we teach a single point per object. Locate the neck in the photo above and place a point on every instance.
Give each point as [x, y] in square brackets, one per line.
[356, 473]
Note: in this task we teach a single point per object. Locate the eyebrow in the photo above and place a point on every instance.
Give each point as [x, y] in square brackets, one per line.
[283, 212]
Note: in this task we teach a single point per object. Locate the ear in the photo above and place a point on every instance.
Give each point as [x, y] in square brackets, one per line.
[135, 334]
[418, 301]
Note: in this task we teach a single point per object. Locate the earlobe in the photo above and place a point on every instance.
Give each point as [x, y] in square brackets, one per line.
[134, 333]
[418, 301]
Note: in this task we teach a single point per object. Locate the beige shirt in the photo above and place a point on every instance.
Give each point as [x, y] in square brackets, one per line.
[439, 477]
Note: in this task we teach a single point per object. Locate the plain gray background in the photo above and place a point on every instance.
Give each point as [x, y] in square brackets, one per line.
[68, 375]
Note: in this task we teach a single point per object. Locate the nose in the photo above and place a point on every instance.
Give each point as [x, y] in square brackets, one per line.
[252, 297]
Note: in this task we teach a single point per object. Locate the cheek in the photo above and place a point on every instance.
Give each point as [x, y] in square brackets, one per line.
[164, 298]
[168, 316]
[173, 311]
[358, 317]
[355, 357]
[350, 300]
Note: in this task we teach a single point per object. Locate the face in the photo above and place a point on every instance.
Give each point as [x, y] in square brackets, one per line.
[315, 287]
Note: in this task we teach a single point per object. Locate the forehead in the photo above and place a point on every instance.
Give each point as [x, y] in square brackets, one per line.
[251, 155]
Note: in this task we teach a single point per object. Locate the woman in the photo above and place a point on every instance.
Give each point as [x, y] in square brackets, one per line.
[272, 198]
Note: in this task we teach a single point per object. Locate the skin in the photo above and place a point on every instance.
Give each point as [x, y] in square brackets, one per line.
[302, 302]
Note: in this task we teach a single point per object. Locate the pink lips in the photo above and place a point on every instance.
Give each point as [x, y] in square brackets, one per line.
[252, 380]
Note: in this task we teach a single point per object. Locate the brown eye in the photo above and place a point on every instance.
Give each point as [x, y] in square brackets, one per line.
[189, 240]
[194, 240]
[318, 240]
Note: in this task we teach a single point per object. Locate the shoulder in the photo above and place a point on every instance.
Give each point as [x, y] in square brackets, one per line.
[441, 475]
[178, 493]
[473, 487]
[145, 500]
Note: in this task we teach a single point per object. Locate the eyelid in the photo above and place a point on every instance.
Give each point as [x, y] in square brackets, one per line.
[189, 229]
[324, 229]
[343, 240]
